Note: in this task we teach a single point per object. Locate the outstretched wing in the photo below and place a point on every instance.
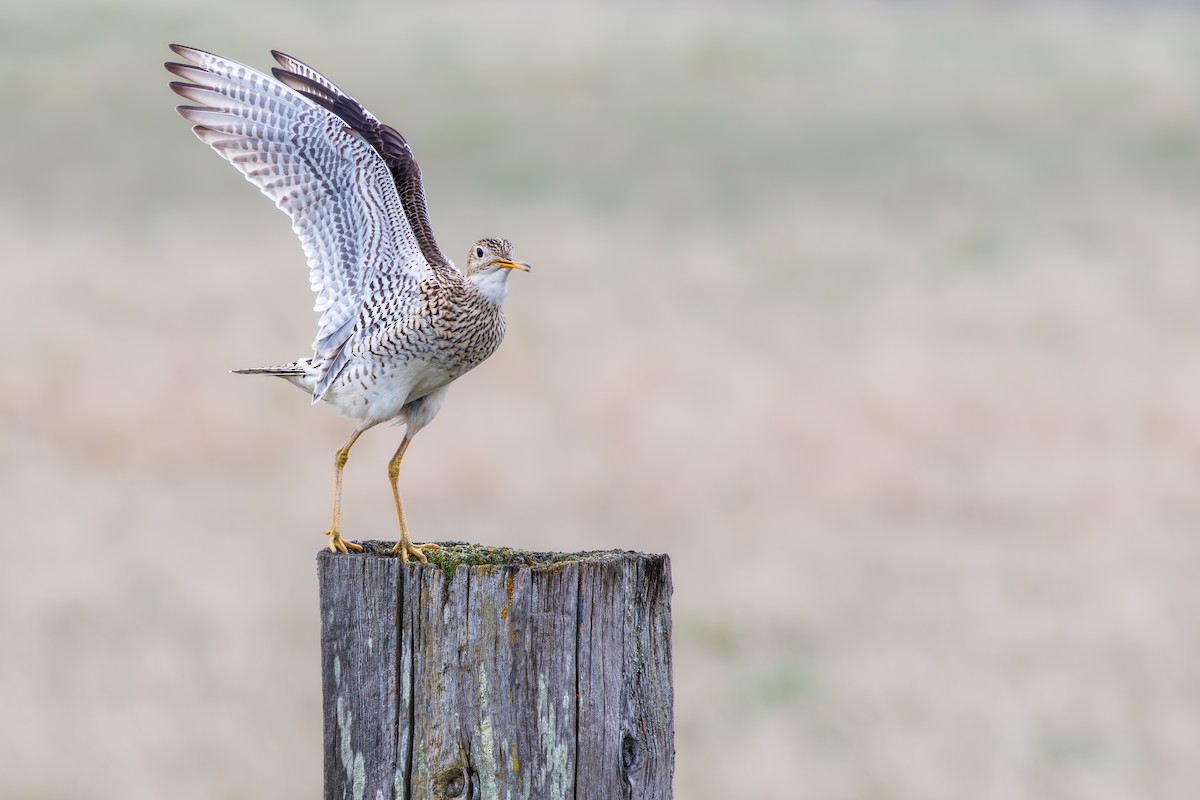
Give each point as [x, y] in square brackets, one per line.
[386, 140]
[326, 176]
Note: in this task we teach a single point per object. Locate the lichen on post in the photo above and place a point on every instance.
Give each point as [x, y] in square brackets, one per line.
[495, 672]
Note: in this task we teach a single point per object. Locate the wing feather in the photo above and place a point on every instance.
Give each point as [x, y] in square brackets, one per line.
[337, 189]
[386, 140]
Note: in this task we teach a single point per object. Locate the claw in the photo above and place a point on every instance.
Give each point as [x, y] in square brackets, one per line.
[339, 545]
[417, 551]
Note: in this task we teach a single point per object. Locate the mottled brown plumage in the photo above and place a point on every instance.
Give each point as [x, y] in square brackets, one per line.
[398, 321]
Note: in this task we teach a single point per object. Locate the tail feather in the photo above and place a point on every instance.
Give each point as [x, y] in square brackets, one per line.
[283, 370]
[298, 373]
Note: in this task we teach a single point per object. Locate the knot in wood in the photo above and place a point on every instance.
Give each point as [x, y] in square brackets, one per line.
[451, 783]
[629, 751]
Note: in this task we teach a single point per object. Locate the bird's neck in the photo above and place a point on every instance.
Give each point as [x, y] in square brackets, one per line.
[493, 286]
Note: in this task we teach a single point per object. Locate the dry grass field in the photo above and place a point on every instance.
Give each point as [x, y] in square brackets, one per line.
[882, 322]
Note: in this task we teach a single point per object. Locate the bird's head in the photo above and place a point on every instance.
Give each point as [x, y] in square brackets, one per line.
[489, 264]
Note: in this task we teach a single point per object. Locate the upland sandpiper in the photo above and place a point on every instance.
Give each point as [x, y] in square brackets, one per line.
[398, 321]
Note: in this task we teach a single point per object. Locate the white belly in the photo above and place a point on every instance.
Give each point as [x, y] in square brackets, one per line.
[364, 397]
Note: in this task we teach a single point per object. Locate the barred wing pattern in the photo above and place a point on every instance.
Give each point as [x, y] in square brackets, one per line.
[386, 140]
[333, 184]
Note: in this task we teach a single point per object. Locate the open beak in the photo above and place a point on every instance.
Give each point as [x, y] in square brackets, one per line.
[506, 264]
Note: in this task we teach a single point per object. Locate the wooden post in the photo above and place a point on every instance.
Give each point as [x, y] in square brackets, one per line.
[496, 673]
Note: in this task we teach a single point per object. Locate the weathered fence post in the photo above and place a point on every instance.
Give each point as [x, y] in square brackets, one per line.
[496, 673]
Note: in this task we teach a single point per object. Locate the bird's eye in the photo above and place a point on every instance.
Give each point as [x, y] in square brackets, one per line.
[479, 252]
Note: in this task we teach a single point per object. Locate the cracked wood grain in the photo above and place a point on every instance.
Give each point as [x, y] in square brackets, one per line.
[545, 678]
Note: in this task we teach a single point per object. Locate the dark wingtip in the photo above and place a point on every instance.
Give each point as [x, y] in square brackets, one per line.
[306, 87]
[182, 70]
[180, 88]
[287, 76]
[185, 51]
[185, 111]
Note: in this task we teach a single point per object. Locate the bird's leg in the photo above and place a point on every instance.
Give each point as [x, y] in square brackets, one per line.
[336, 543]
[404, 547]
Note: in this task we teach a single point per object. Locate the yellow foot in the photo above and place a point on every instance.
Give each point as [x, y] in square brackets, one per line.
[417, 551]
[339, 545]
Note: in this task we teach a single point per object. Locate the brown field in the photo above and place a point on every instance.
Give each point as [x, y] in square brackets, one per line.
[882, 322]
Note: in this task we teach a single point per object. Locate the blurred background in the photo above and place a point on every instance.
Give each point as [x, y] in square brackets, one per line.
[881, 320]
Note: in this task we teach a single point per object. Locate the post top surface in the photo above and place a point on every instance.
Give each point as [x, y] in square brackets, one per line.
[450, 555]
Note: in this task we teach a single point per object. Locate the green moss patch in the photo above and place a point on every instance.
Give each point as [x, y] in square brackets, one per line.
[450, 555]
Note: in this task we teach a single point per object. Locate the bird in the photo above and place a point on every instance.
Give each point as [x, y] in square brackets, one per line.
[399, 322]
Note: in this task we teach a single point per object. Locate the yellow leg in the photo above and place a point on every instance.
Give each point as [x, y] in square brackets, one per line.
[404, 547]
[336, 543]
